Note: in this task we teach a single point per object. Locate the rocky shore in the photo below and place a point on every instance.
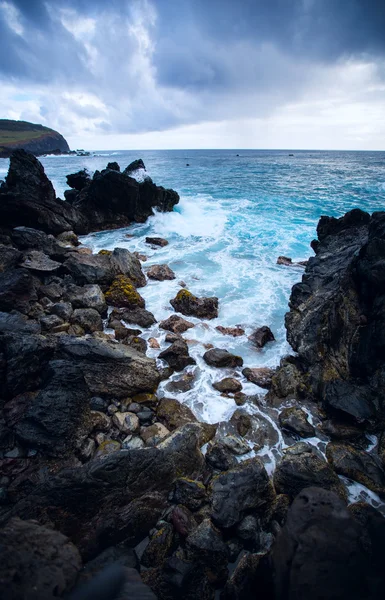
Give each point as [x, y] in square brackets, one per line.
[105, 483]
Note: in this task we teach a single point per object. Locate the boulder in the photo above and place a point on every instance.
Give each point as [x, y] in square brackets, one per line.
[182, 384]
[61, 309]
[68, 238]
[295, 420]
[176, 324]
[188, 304]
[233, 331]
[136, 316]
[79, 180]
[104, 268]
[27, 238]
[205, 547]
[159, 548]
[261, 376]
[122, 294]
[154, 434]
[86, 296]
[36, 562]
[135, 165]
[301, 467]
[174, 414]
[219, 457]
[28, 198]
[228, 385]
[35, 260]
[262, 336]
[356, 464]
[191, 494]
[156, 241]
[244, 488]
[17, 290]
[160, 273]
[318, 553]
[236, 444]
[216, 357]
[177, 356]
[9, 258]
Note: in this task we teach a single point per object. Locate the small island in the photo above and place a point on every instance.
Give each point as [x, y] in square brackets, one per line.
[30, 136]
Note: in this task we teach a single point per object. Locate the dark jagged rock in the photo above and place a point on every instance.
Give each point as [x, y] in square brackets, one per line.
[17, 290]
[219, 457]
[177, 356]
[9, 258]
[228, 385]
[35, 260]
[102, 269]
[86, 296]
[245, 488]
[217, 357]
[319, 552]
[137, 316]
[156, 241]
[191, 494]
[135, 165]
[17, 323]
[295, 420]
[36, 562]
[261, 376]
[28, 198]
[206, 547]
[160, 273]
[357, 465]
[188, 304]
[174, 414]
[176, 324]
[27, 238]
[126, 493]
[88, 318]
[262, 336]
[113, 166]
[79, 180]
[233, 331]
[301, 467]
[336, 317]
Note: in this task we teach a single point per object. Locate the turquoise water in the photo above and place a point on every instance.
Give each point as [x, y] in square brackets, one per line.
[236, 215]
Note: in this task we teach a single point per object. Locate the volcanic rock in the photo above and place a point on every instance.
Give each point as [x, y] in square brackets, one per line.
[217, 357]
[188, 304]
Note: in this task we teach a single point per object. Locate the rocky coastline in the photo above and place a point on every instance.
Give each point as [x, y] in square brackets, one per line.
[102, 482]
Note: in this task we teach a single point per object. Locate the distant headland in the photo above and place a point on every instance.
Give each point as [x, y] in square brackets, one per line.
[30, 136]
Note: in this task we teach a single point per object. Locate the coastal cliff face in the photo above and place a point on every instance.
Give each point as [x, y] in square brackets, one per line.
[29, 136]
[94, 462]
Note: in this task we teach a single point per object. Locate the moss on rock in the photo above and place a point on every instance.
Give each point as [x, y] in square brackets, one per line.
[122, 293]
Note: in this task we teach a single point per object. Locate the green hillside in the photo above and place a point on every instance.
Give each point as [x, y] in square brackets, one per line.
[36, 138]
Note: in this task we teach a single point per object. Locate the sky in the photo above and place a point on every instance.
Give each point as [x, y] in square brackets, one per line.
[153, 74]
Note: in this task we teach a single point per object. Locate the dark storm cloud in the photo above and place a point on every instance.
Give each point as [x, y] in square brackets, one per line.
[218, 58]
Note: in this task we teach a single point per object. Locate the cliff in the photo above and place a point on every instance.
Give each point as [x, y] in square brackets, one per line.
[29, 136]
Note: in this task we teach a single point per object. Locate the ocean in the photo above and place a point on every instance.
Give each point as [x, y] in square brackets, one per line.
[239, 210]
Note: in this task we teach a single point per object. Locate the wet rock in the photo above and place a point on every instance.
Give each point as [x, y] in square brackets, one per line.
[173, 337]
[229, 384]
[301, 467]
[160, 273]
[36, 562]
[261, 376]
[357, 465]
[236, 445]
[87, 449]
[247, 487]
[141, 257]
[135, 443]
[340, 430]
[206, 547]
[9, 258]
[186, 303]
[88, 319]
[219, 457]
[156, 241]
[217, 357]
[262, 336]
[319, 550]
[136, 316]
[138, 343]
[79, 180]
[153, 434]
[182, 384]
[69, 238]
[233, 331]
[153, 343]
[148, 399]
[159, 547]
[126, 422]
[176, 324]
[295, 420]
[35, 260]
[190, 493]
[242, 421]
[284, 260]
[126, 263]
[28, 198]
[177, 355]
[174, 414]
[17, 290]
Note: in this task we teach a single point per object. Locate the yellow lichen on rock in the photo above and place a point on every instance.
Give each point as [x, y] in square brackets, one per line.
[122, 293]
[105, 252]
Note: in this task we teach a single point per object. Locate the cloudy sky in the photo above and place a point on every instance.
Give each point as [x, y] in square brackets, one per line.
[197, 73]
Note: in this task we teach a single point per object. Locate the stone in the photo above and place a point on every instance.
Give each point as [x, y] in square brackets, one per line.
[177, 356]
[318, 551]
[219, 457]
[250, 574]
[87, 449]
[216, 357]
[35, 260]
[61, 309]
[205, 546]
[36, 562]
[159, 547]
[233, 331]
[126, 422]
[174, 414]
[136, 443]
[17, 290]
[28, 238]
[190, 493]
[261, 376]
[88, 319]
[356, 464]
[156, 241]
[69, 238]
[301, 467]
[228, 385]
[295, 420]
[9, 258]
[244, 488]
[242, 421]
[136, 316]
[186, 303]
[153, 434]
[79, 180]
[182, 384]
[160, 273]
[236, 445]
[153, 343]
[262, 336]
[138, 343]
[50, 322]
[340, 430]
[113, 166]
[122, 293]
[176, 324]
